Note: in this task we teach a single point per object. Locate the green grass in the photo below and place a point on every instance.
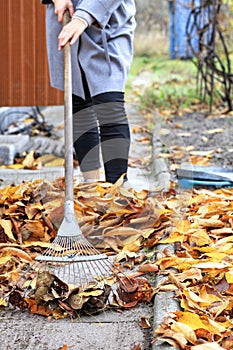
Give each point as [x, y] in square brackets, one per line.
[171, 84]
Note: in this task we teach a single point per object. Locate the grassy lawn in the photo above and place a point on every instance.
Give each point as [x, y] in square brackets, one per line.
[169, 84]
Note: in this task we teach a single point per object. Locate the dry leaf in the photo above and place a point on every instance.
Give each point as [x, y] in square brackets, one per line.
[214, 131]
[64, 347]
[7, 227]
[144, 323]
[208, 346]
[149, 268]
[137, 347]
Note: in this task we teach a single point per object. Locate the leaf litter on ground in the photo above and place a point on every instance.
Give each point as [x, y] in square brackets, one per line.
[128, 225]
[200, 273]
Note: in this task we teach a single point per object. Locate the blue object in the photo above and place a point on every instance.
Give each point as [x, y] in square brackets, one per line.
[209, 173]
[190, 175]
[179, 12]
[189, 184]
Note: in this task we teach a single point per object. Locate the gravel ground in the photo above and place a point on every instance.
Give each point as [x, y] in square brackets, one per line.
[188, 135]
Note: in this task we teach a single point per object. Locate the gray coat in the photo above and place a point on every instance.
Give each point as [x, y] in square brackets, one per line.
[104, 50]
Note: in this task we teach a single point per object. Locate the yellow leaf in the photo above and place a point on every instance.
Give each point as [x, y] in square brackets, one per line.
[216, 326]
[208, 297]
[133, 244]
[4, 259]
[173, 237]
[13, 166]
[3, 302]
[193, 296]
[7, 227]
[147, 232]
[191, 319]
[164, 155]
[31, 210]
[201, 322]
[199, 237]
[186, 330]
[183, 226]
[216, 256]
[55, 163]
[229, 276]
[180, 263]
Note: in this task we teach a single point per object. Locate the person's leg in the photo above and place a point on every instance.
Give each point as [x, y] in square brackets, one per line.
[114, 133]
[86, 138]
[86, 134]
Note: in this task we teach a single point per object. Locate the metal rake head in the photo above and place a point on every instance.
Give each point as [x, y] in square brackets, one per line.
[63, 270]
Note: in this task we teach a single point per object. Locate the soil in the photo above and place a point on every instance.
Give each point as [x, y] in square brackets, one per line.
[213, 134]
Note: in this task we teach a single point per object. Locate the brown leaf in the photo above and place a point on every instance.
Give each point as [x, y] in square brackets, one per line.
[64, 347]
[143, 293]
[144, 323]
[210, 223]
[150, 268]
[137, 347]
[208, 346]
[7, 227]
[38, 310]
[36, 228]
[178, 337]
[186, 330]
[16, 252]
[122, 231]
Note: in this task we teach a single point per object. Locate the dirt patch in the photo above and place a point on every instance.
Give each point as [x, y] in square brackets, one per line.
[192, 133]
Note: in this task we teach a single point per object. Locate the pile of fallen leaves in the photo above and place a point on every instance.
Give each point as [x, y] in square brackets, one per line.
[114, 219]
[200, 272]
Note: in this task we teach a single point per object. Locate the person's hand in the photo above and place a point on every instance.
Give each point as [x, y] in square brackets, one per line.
[60, 6]
[71, 32]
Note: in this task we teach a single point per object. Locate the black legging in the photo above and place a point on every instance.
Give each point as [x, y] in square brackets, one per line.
[101, 120]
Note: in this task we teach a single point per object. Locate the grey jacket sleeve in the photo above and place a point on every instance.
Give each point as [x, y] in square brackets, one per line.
[85, 15]
[99, 10]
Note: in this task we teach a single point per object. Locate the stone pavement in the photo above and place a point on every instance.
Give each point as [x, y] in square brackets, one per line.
[109, 330]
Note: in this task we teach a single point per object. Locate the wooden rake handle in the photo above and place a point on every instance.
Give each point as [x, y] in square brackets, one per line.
[68, 115]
